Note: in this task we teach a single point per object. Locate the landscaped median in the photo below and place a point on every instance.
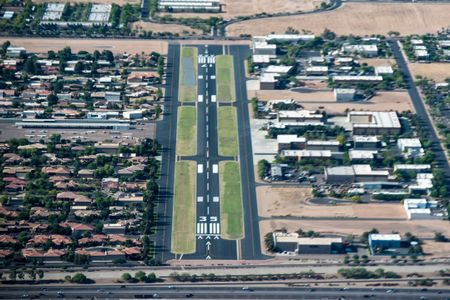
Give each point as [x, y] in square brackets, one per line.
[187, 131]
[183, 219]
[227, 128]
[231, 211]
[188, 74]
[225, 78]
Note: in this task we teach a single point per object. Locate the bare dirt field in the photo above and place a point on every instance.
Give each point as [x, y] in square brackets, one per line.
[383, 101]
[437, 249]
[114, 45]
[436, 71]
[357, 19]
[119, 2]
[156, 27]
[293, 201]
[235, 8]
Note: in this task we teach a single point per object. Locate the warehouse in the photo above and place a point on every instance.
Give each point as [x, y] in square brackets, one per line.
[292, 242]
[354, 173]
[342, 95]
[374, 123]
[290, 142]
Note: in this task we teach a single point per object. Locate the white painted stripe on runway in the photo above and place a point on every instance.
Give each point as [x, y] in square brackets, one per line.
[213, 77]
[213, 98]
[215, 168]
[205, 227]
[200, 168]
[213, 219]
[218, 228]
[198, 227]
[200, 76]
[200, 98]
[199, 199]
[210, 227]
[207, 210]
[215, 199]
[207, 186]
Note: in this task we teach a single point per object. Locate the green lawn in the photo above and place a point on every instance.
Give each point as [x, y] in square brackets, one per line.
[227, 127]
[231, 211]
[183, 219]
[187, 130]
[225, 78]
[188, 92]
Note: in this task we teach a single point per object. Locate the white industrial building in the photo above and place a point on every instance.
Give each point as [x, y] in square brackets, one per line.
[367, 50]
[419, 208]
[384, 70]
[299, 116]
[357, 78]
[189, 5]
[410, 148]
[132, 114]
[374, 123]
[342, 95]
[354, 173]
[423, 185]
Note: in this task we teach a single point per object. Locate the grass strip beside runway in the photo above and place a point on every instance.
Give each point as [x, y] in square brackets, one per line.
[231, 211]
[188, 74]
[225, 78]
[183, 219]
[227, 128]
[187, 131]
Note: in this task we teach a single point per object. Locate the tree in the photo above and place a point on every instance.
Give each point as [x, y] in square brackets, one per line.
[79, 67]
[52, 99]
[40, 273]
[140, 275]
[126, 277]
[439, 237]
[80, 278]
[263, 168]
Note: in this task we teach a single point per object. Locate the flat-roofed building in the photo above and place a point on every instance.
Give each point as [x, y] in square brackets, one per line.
[277, 69]
[367, 50]
[268, 81]
[410, 148]
[302, 154]
[419, 208]
[190, 5]
[417, 168]
[385, 241]
[317, 70]
[374, 123]
[264, 48]
[74, 124]
[384, 70]
[289, 37]
[357, 78]
[342, 95]
[290, 142]
[354, 173]
[331, 145]
[366, 142]
[299, 116]
[362, 155]
[292, 242]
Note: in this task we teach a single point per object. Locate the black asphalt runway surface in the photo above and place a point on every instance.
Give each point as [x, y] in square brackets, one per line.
[209, 243]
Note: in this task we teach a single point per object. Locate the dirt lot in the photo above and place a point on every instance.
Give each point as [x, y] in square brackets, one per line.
[119, 2]
[116, 45]
[436, 71]
[155, 27]
[294, 201]
[235, 8]
[383, 101]
[357, 19]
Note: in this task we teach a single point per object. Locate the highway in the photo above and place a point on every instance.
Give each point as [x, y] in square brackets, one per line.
[214, 292]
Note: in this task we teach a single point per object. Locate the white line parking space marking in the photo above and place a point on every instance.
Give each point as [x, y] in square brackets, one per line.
[199, 199]
[215, 168]
[215, 199]
[200, 98]
[200, 168]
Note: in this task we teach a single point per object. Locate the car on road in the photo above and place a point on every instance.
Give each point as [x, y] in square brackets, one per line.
[189, 295]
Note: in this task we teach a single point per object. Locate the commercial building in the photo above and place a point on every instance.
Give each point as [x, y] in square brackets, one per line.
[331, 145]
[317, 70]
[357, 79]
[419, 208]
[268, 81]
[292, 242]
[190, 5]
[366, 50]
[260, 46]
[361, 155]
[361, 142]
[290, 142]
[132, 114]
[301, 154]
[417, 168]
[384, 241]
[374, 123]
[289, 116]
[342, 95]
[384, 70]
[289, 37]
[410, 148]
[423, 185]
[354, 173]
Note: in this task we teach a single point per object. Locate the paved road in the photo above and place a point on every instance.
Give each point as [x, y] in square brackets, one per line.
[166, 136]
[438, 150]
[223, 292]
[251, 246]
